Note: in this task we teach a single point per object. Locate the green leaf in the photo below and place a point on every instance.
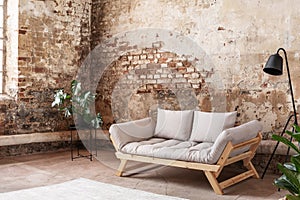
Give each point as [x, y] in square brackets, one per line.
[290, 166]
[290, 197]
[59, 98]
[291, 177]
[296, 161]
[78, 102]
[297, 128]
[294, 135]
[283, 183]
[75, 87]
[67, 113]
[287, 142]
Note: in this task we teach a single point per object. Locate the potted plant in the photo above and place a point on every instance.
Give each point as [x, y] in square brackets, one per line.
[290, 179]
[77, 104]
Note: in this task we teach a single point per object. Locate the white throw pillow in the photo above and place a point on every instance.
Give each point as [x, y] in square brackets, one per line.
[174, 124]
[207, 126]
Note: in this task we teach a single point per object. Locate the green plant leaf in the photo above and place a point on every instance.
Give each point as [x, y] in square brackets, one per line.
[286, 141]
[68, 113]
[58, 98]
[294, 135]
[78, 102]
[296, 160]
[283, 183]
[290, 166]
[292, 178]
[75, 87]
[290, 197]
[297, 128]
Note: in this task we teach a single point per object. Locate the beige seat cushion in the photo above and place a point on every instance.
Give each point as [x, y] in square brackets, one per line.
[169, 149]
[203, 152]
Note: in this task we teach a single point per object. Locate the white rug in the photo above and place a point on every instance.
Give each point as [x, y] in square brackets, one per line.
[82, 189]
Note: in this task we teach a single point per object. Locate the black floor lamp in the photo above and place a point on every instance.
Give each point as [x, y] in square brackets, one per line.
[274, 67]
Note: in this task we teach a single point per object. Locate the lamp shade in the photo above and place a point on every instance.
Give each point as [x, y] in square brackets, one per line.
[274, 65]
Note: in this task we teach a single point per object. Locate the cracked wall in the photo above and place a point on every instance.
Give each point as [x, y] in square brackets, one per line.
[238, 37]
[53, 39]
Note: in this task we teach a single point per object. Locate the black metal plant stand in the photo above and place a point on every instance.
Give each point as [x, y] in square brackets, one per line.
[76, 143]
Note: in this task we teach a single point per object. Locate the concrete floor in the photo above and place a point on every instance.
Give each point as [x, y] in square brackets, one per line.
[44, 169]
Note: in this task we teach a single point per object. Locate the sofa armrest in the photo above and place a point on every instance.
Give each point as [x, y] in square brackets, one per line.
[133, 131]
[235, 135]
[243, 132]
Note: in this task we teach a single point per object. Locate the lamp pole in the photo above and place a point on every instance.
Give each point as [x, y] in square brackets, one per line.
[270, 71]
[290, 83]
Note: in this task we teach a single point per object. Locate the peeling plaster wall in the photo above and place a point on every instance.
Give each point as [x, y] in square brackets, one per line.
[56, 36]
[53, 39]
[238, 37]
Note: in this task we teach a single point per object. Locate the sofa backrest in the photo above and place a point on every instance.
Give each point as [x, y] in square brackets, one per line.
[207, 126]
[174, 124]
[192, 125]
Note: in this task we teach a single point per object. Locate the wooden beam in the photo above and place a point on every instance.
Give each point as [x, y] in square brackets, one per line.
[121, 167]
[248, 143]
[213, 182]
[168, 162]
[236, 179]
[7, 140]
[238, 158]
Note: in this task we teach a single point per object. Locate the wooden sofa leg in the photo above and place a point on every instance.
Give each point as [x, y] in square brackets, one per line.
[251, 167]
[214, 182]
[121, 167]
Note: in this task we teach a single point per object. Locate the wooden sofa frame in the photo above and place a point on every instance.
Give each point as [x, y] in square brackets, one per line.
[212, 171]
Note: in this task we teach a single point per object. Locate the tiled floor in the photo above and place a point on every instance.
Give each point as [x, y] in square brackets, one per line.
[37, 170]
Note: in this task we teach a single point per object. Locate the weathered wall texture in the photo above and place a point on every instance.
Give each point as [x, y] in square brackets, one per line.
[237, 36]
[53, 39]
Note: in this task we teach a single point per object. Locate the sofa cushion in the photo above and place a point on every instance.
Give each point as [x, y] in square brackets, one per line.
[207, 126]
[202, 152]
[174, 124]
[169, 149]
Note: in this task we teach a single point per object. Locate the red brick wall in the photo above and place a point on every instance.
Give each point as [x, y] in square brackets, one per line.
[142, 80]
[53, 41]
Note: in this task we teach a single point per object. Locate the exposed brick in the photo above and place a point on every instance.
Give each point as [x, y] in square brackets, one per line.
[190, 69]
[164, 65]
[48, 59]
[153, 66]
[143, 57]
[149, 76]
[157, 76]
[164, 81]
[179, 80]
[150, 81]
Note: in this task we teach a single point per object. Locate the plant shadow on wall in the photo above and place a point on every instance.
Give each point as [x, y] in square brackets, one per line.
[77, 104]
[290, 180]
